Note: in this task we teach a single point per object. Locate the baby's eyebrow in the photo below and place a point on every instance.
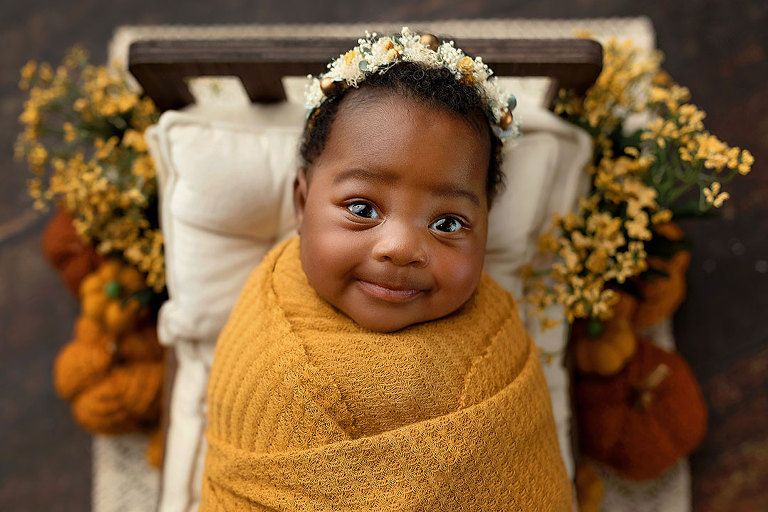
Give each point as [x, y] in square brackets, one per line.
[445, 190]
[362, 174]
[451, 191]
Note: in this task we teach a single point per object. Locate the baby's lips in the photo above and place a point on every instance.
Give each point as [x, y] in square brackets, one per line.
[391, 292]
[397, 284]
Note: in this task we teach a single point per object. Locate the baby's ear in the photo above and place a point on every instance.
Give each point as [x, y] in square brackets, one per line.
[299, 196]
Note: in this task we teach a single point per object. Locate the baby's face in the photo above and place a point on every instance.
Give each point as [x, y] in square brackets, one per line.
[393, 216]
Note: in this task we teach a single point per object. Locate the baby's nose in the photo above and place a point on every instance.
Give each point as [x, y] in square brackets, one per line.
[402, 245]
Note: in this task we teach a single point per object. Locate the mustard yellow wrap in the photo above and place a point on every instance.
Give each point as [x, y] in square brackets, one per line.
[309, 411]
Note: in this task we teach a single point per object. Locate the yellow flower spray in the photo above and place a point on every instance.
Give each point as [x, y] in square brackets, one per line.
[638, 181]
[83, 141]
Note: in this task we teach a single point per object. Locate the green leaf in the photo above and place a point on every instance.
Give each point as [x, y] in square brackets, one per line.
[142, 297]
[666, 248]
[633, 139]
[690, 209]
[630, 288]
[652, 274]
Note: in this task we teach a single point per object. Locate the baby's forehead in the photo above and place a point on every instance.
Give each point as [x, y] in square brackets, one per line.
[369, 116]
[368, 97]
[404, 145]
[385, 102]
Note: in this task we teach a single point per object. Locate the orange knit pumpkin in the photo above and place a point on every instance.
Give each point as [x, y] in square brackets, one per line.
[661, 296]
[106, 296]
[140, 344]
[155, 448]
[113, 382]
[607, 352]
[590, 489]
[126, 400]
[642, 420]
[84, 361]
[66, 252]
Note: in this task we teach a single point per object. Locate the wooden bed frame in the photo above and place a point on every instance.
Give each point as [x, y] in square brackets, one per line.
[163, 66]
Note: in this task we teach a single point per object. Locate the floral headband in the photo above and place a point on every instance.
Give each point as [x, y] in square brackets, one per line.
[377, 54]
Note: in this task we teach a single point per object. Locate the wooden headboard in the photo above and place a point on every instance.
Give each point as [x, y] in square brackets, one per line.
[162, 67]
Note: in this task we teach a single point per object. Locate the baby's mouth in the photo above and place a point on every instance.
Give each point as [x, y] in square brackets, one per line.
[391, 292]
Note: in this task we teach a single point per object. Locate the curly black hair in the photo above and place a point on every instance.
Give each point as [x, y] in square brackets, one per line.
[408, 79]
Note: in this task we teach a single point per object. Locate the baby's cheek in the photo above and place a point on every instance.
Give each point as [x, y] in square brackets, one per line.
[326, 259]
[460, 277]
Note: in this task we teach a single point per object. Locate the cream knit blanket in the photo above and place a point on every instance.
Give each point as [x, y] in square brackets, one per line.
[308, 411]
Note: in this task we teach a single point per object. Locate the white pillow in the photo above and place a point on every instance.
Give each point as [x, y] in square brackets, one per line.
[544, 171]
[226, 198]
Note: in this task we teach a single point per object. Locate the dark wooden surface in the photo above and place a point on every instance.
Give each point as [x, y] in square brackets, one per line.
[718, 49]
[162, 66]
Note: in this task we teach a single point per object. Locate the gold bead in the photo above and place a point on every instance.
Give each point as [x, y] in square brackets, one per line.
[466, 65]
[388, 44]
[506, 119]
[430, 41]
[329, 86]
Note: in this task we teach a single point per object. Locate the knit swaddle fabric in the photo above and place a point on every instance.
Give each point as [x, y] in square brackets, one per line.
[309, 411]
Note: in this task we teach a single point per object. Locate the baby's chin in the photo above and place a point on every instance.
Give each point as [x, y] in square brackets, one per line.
[383, 323]
[385, 326]
[400, 313]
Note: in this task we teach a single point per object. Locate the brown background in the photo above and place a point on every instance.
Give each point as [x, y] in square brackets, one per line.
[717, 49]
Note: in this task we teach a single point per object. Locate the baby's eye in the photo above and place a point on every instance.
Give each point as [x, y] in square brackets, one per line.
[447, 225]
[363, 210]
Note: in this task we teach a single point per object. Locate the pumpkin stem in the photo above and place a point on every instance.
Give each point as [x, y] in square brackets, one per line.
[645, 388]
[113, 289]
[595, 328]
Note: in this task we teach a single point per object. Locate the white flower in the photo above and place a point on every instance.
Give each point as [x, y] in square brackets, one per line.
[313, 95]
[450, 55]
[421, 54]
[495, 96]
[347, 67]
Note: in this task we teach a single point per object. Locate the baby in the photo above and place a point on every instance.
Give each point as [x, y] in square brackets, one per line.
[392, 204]
[370, 364]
